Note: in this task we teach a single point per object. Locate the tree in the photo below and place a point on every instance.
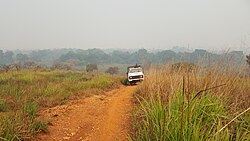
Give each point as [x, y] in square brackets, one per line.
[22, 57]
[70, 55]
[1, 58]
[8, 57]
[1, 53]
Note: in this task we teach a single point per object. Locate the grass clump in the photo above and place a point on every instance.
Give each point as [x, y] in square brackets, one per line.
[31, 108]
[39, 126]
[3, 106]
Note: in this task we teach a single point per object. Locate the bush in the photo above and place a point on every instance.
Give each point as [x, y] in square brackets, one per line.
[61, 66]
[91, 67]
[112, 70]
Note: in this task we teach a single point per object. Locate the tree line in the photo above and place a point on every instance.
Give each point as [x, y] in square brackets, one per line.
[142, 56]
[79, 57]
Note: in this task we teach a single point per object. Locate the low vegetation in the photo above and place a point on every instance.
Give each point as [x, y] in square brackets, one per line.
[112, 70]
[23, 93]
[204, 104]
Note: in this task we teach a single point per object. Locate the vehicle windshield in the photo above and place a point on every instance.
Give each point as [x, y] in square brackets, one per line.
[135, 70]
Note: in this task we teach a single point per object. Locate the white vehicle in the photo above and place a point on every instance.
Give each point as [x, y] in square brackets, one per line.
[135, 74]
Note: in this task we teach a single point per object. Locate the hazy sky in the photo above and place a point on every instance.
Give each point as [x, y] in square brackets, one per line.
[38, 24]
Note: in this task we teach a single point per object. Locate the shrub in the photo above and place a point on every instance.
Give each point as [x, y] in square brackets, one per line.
[91, 67]
[112, 70]
[61, 66]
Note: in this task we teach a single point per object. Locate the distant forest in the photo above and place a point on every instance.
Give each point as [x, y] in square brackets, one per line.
[80, 58]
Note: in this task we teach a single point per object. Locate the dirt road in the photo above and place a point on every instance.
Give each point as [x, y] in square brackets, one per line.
[97, 118]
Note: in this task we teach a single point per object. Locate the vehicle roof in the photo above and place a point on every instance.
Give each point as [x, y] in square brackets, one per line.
[135, 66]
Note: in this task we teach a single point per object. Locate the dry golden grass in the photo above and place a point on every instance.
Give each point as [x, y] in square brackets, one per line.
[235, 90]
[167, 111]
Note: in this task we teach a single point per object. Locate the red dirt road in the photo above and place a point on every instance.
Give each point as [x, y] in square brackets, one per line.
[97, 118]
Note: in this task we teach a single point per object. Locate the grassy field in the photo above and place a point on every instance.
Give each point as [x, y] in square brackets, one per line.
[23, 93]
[194, 105]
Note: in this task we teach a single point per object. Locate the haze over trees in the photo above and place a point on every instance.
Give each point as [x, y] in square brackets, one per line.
[6, 57]
[68, 58]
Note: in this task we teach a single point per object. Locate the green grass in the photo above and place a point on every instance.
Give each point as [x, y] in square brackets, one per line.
[39, 126]
[168, 110]
[31, 109]
[23, 93]
[199, 120]
[3, 106]
[48, 88]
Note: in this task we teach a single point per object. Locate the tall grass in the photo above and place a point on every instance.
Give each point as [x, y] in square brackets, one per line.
[192, 105]
[23, 93]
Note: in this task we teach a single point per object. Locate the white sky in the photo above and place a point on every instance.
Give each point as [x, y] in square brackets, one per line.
[38, 24]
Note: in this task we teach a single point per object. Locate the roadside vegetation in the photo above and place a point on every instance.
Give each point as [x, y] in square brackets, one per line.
[179, 102]
[23, 93]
